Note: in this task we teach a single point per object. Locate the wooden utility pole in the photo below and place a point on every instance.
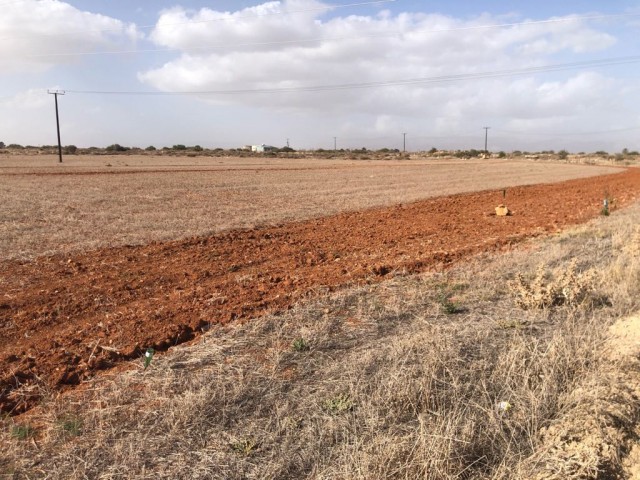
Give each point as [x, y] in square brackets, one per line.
[55, 94]
[486, 137]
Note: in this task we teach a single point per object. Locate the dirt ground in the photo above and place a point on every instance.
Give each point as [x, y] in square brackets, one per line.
[64, 317]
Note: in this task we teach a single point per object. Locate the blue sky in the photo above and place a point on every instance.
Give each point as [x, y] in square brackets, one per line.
[395, 62]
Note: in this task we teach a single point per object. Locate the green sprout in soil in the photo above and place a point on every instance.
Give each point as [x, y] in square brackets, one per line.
[71, 425]
[300, 345]
[448, 306]
[339, 404]
[244, 447]
[22, 432]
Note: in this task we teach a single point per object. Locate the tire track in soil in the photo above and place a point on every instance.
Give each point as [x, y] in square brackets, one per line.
[65, 317]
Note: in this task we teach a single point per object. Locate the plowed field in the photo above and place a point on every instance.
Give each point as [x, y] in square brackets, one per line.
[64, 317]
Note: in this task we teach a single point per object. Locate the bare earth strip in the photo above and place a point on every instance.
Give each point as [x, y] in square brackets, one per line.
[89, 202]
[64, 317]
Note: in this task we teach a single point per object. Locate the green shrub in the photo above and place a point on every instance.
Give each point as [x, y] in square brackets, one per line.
[116, 147]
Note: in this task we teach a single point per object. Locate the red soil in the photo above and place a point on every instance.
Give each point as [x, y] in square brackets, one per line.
[62, 318]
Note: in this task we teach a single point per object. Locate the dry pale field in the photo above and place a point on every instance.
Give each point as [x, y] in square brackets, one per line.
[91, 201]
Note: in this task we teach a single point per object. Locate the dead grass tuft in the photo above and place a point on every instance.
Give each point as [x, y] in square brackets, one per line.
[564, 286]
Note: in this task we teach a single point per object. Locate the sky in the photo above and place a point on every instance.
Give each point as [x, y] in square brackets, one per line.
[317, 74]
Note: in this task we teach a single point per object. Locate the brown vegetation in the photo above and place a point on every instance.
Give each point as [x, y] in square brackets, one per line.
[389, 385]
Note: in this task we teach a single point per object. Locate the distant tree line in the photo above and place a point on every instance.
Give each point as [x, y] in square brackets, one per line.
[194, 150]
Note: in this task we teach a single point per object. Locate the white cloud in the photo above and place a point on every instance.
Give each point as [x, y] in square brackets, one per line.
[31, 99]
[34, 33]
[245, 52]
[260, 48]
[178, 28]
[257, 49]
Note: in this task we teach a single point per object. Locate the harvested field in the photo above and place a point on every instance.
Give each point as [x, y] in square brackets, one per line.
[66, 316]
[83, 203]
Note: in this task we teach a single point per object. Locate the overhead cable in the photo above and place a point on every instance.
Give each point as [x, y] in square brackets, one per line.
[386, 83]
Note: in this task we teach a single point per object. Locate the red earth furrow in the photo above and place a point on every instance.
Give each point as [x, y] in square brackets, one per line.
[62, 318]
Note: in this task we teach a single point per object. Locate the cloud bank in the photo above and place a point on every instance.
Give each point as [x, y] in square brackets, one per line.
[37, 35]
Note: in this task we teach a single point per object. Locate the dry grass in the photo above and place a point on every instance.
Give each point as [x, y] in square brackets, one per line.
[381, 381]
[83, 203]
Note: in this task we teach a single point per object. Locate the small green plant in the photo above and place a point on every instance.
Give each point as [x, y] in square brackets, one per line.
[22, 432]
[71, 425]
[448, 306]
[244, 447]
[339, 404]
[509, 324]
[300, 345]
[148, 356]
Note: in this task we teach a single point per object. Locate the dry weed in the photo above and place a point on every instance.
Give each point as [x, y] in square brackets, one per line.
[564, 286]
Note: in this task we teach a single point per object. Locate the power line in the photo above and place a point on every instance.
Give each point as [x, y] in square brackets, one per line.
[318, 39]
[218, 46]
[411, 81]
[599, 132]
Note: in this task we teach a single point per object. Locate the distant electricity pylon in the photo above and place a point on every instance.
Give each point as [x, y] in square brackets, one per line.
[55, 94]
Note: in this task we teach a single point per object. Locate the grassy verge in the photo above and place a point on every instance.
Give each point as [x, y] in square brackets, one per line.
[469, 373]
